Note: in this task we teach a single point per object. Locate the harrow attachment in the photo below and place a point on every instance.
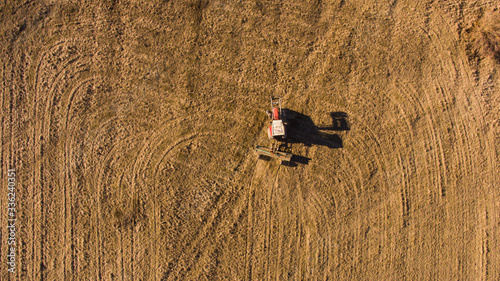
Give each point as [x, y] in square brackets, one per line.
[273, 153]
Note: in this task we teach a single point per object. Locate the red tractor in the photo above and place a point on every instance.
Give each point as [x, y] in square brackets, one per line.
[277, 127]
[276, 132]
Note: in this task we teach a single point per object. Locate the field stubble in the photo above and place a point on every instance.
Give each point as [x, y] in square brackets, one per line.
[131, 126]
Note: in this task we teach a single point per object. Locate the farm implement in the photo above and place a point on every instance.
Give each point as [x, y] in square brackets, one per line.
[273, 153]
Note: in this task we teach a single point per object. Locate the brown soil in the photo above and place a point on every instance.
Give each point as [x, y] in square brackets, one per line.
[131, 126]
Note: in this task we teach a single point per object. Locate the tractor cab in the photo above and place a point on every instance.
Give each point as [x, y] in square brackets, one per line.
[277, 127]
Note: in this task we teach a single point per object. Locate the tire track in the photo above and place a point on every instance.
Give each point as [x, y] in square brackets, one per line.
[215, 223]
[300, 224]
[70, 213]
[112, 174]
[259, 175]
[147, 145]
[210, 224]
[249, 244]
[59, 53]
[415, 135]
[269, 223]
[37, 198]
[469, 118]
[63, 175]
[66, 181]
[448, 99]
[13, 151]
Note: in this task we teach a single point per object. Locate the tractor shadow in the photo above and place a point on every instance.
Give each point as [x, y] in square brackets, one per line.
[301, 129]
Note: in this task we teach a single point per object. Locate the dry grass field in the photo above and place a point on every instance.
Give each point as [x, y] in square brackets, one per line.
[131, 127]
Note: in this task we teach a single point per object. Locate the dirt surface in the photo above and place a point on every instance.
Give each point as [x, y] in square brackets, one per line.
[131, 127]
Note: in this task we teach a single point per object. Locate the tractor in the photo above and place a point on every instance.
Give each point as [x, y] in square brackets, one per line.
[276, 133]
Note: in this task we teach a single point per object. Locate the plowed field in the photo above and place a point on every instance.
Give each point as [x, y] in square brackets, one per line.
[131, 126]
